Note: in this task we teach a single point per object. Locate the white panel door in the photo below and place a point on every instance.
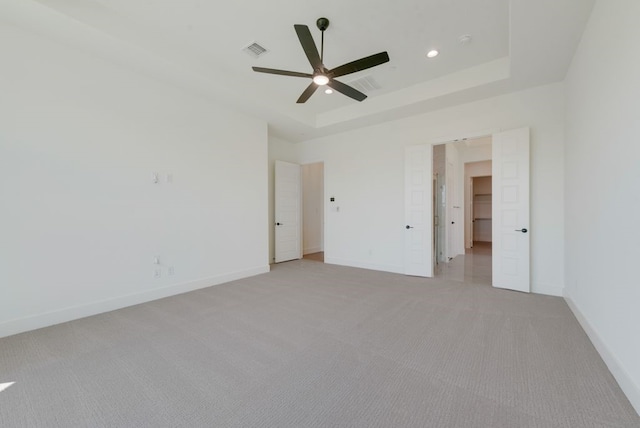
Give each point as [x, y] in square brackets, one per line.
[510, 210]
[418, 228]
[451, 220]
[288, 204]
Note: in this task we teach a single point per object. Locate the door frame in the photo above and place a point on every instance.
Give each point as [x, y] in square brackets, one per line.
[451, 139]
[278, 258]
[324, 206]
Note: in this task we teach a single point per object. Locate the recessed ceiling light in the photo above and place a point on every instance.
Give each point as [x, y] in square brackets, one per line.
[328, 91]
[432, 53]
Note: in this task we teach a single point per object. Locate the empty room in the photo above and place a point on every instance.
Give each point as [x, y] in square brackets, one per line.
[336, 214]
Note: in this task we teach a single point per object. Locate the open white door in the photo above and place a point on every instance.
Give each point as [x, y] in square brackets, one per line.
[510, 211]
[287, 212]
[418, 240]
[450, 198]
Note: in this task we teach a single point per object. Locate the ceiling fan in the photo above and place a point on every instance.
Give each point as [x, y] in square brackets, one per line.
[321, 75]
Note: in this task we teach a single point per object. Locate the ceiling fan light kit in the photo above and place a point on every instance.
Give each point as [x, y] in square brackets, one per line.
[320, 79]
[322, 76]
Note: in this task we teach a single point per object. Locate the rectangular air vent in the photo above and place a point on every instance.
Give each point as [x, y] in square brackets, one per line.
[365, 84]
[255, 50]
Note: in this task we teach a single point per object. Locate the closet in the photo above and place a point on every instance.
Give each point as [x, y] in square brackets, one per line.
[482, 209]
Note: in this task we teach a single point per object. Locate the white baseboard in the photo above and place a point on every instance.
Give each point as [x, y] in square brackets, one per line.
[364, 265]
[548, 289]
[311, 250]
[628, 386]
[33, 322]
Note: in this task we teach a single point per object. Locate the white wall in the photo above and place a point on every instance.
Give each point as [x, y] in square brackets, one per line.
[439, 159]
[312, 207]
[476, 153]
[364, 170]
[603, 188]
[479, 169]
[81, 218]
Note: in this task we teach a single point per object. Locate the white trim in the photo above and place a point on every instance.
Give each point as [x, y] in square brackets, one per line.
[628, 386]
[312, 250]
[365, 265]
[444, 139]
[547, 289]
[46, 319]
[312, 162]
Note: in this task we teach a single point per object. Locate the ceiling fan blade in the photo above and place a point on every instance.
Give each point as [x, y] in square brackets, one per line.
[307, 93]
[281, 72]
[309, 46]
[347, 90]
[360, 64]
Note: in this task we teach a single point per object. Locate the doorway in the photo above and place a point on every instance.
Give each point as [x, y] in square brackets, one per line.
[313, 211]
[462, 239]
[298, 221]
[439, 203]
[510, 254]
[481, 223]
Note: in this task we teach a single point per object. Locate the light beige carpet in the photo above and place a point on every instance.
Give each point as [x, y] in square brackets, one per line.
[316, 345]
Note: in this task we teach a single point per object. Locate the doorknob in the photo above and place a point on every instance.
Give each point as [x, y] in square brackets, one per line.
[279, 224]
[522, 230]
[409, 227]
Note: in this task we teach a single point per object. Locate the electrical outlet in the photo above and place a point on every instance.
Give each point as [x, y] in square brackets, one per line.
[171, 271]
[157, 273]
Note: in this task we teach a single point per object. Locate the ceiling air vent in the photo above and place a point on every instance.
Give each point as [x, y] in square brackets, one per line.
[365, 84]
[255, 50]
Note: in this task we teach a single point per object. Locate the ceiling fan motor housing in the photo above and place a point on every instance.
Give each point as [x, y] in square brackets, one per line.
[321, 75]
[322, 23]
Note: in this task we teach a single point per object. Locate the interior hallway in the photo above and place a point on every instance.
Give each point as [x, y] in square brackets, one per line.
[472, 267]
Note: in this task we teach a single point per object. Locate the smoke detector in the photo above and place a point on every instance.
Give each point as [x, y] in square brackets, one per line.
[465, 39]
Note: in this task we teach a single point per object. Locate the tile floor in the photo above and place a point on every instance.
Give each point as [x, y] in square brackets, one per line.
[472, 267]
[318, 257]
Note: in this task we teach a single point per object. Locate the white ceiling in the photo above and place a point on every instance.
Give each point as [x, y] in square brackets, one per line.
[197, 45]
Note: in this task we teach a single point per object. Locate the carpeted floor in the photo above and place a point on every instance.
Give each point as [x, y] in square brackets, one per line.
[316, 345]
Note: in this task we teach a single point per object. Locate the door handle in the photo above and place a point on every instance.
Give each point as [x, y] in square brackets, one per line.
[522, 230]
[279, 224]
[408, 227]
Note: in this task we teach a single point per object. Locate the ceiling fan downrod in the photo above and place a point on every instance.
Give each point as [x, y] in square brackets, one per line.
[321, 75]
[322, 24]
